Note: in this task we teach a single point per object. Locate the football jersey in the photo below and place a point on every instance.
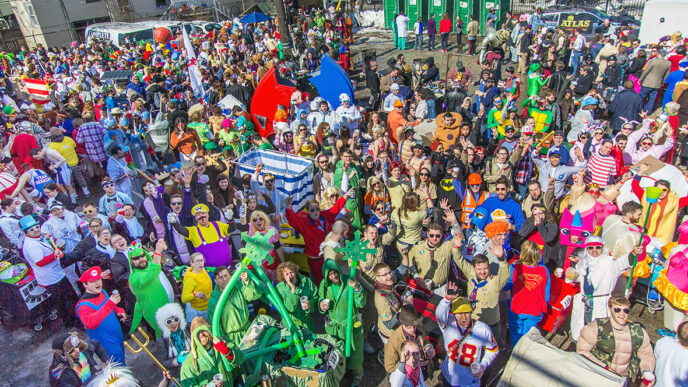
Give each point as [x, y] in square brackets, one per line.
[476, 344]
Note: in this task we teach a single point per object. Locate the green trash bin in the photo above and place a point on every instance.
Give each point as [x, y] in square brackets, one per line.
[501, 7]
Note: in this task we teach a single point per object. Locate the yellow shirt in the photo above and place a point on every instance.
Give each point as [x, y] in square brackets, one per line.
[196, 282]
[67, 149]
[209, 233]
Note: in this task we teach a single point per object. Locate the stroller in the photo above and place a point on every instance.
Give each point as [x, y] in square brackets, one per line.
[645, 292]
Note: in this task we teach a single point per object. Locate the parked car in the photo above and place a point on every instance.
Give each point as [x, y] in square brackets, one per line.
[585, 19]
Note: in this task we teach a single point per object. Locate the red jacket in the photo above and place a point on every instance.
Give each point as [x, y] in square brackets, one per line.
[445, 26]
[313, 232]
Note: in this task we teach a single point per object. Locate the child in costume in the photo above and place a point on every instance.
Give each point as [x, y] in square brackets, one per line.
[149, 284]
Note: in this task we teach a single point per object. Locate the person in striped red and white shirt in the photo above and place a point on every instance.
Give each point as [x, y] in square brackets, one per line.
[601, 167]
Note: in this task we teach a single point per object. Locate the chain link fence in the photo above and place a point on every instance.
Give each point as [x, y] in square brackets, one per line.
[610, 7]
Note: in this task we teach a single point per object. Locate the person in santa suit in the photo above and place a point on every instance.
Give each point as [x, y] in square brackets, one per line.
[101, 315]
[45, 260]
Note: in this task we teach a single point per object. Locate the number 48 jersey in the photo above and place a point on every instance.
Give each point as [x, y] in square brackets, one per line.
[475, 344]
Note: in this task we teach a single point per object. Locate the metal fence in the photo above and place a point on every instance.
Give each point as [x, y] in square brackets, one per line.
[611, 7]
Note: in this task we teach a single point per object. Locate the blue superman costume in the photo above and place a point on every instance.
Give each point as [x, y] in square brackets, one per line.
[99, 316]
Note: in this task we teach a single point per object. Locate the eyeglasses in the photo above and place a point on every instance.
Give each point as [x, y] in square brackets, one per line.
[176, 203]
[379, 209]
[625, 310]
[434, 235]
[172, 320]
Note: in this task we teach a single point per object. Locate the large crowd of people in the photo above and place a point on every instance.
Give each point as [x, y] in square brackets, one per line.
[492, 195]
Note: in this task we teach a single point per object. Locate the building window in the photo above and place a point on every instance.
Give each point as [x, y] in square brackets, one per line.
[92, 1]
[32, 15]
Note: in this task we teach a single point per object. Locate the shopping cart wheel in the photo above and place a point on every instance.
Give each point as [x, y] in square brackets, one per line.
[53, 315]
[38, 327]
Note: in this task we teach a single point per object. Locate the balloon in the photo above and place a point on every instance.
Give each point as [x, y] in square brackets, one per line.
[162, 35]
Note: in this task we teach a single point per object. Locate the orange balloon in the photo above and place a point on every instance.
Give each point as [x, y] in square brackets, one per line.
[162, 35]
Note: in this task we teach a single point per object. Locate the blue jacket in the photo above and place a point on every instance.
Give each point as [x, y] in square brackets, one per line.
[140, 88]
[671, 81]
[508, 205]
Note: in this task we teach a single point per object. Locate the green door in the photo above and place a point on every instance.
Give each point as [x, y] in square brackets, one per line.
[438, 7]
[464, 9]
[391, 8]
[501, 7]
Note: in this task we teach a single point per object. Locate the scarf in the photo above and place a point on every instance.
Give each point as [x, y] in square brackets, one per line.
[476, 286]
[413, 374]
[82, 369]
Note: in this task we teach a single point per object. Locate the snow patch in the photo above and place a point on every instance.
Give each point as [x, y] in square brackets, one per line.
[374, 19]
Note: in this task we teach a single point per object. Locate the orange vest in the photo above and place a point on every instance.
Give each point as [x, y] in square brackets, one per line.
[468, 206]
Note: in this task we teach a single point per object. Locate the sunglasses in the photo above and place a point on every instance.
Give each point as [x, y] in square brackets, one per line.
[176, 203]
[425, 174]
[33, 228]
[500, 189]
[647, 143]
[434, 235]
[136, 258]
[625, 310]
[89, 211]
[172, 320]
[595, 248]
[108, 185]
[269, 181]
[379, 209]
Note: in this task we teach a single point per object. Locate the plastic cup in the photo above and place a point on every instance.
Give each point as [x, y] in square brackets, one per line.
[559, 272]
[327, 303]
[115, 292]
[428, 284]
[305, 303]
[648, 378]
[429, 350]
[475, 368]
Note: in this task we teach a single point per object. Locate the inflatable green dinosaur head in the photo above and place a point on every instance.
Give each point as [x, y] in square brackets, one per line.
[134, 253]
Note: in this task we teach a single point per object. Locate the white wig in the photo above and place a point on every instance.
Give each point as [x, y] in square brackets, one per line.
[114, 375]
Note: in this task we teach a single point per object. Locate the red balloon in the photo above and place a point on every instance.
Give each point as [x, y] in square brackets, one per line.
[162, 35]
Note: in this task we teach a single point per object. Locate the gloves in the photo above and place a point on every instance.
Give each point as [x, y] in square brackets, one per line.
[228, 214]
[566, 302]
[221, 347]
[203, 179]
[171, 218]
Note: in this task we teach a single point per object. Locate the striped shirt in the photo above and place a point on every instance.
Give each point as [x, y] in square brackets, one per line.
[600, 170]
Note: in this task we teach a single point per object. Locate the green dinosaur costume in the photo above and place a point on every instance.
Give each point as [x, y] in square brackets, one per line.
[201, 365]
[151, 288]
[235, 318]
[353, 204]
[292, 301]
[543, 117]
[535, 81]
[336, 327]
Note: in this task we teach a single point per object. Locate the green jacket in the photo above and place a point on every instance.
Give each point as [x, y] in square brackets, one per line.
[292, 301]
[352, 204]
[235, 319]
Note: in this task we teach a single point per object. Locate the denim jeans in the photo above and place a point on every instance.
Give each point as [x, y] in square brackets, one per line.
[646, 92]
[575, 61]
[431, 42]
[445, 37]
[419, 42]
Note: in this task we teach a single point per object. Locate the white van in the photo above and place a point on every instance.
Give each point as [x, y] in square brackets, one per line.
[119, 33]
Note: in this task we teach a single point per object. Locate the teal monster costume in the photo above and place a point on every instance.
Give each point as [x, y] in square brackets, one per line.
[151, 289]
[535, 81]
[336, 327]
[353, 204]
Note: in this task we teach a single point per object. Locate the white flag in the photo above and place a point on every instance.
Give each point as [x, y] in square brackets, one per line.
[194, 74]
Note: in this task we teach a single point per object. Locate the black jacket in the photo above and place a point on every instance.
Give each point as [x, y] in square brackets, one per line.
[626, 104]
[372, 81]
[62, 375]
[612, 76]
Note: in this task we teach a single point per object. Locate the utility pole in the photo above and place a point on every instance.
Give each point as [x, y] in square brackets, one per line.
[283, 26]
